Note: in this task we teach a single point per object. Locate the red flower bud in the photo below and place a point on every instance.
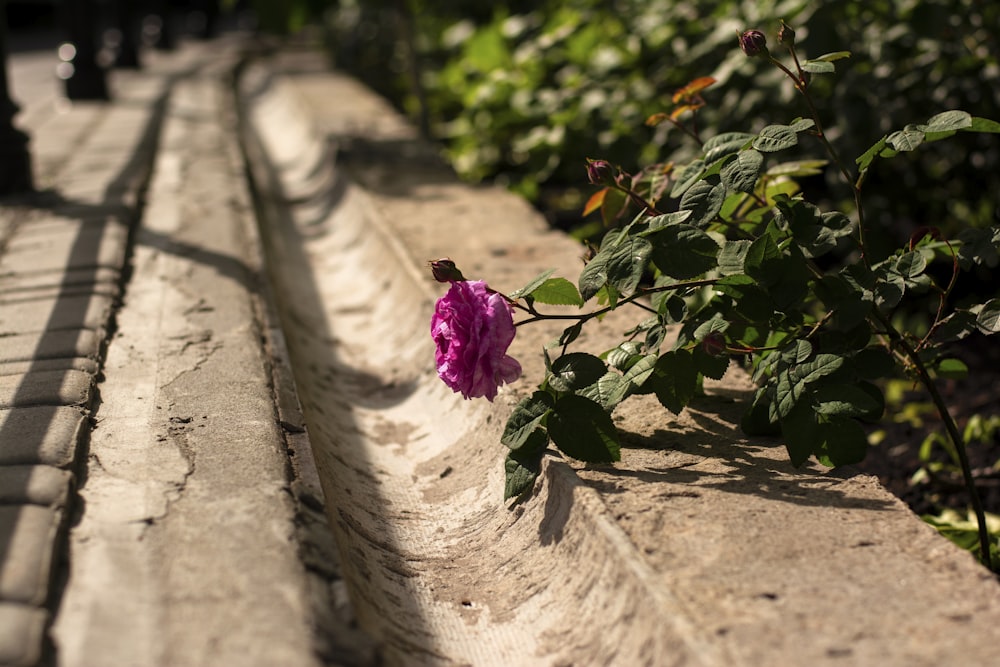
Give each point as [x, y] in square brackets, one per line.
[600, 172]
[753, 43]
[714, 344]
[786, 35]
[445, 271]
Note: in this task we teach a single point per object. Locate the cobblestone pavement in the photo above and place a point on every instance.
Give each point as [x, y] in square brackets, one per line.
[169, 563]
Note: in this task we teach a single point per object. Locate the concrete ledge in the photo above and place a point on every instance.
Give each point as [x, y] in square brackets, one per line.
[701, 548]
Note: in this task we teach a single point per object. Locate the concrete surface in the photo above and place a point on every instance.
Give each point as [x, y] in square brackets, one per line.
[222, 440]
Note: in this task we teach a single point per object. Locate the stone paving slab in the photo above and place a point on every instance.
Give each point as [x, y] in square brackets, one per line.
[40, 435]
[66, 343]
[34, 485]
[22, 628]
[27, 543]
[58, 387]
[88, 311]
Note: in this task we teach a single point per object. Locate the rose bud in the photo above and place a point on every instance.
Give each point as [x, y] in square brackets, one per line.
[753, 43]
[445, 271]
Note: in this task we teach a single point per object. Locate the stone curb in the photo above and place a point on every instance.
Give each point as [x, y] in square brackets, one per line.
[700, 548]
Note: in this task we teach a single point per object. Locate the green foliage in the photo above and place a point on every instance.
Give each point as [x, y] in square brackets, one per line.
[758, 272]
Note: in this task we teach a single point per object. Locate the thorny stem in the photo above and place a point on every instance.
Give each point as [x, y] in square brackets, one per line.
[801, 86]
[585, 317]
[956, 438]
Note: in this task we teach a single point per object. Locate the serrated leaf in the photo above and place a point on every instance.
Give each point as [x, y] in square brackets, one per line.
[659, 222]
[801, 433]
[948, 121]
[725, 144]
[821, 366]
[704, 200]
[527, 416]
[594, 276]
[684, 252]
[741, 174]
[641, 370]
[911, 265]
[557, 292]
[609, 390]
[626, 263]
[803, 124]
[732, 257]
[687, 177]
[580, 428]
[575, 370]
[845, 400]
[906, 139]
[788, 392]
[674, 380]
[521, 467]
[775, 138]
[534, 284]
[988, 318]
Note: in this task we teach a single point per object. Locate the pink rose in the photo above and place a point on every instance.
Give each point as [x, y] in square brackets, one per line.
[472, 329]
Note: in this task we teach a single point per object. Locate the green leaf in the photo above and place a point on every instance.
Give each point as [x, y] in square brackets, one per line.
[521, 467]
[911, 265]
[660, 222]
[775, 138]
[675, 380]
[845, 400]
[610, 390]
[801, 432]
[725, 144]
[831, 57]
[983, 125]
[844, 442]
[532, 286]
[626, 263]
[951, 368]
[641, 370]
[684, 251]
[704, 200]
[948, 121]
[687, 177]
[763, 260]
[874, 363]
[527, 416]
[821, 366]
[798, 168]
[803, 124]
[818, 67]
[732, 257]
[741, 174]
[580, 428]
[988, 318]
[575, 370]
[570, 333]
[869, 155]
[906, 139]
[788, 393]
[594, 276]
[557, 292]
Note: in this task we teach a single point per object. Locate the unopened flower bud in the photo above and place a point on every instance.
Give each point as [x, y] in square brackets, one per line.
[786, 35]
[600, 172]
[445, 271]
[714, 344]
[753, 43]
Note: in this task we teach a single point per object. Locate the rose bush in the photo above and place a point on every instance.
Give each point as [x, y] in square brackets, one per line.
[472, 328]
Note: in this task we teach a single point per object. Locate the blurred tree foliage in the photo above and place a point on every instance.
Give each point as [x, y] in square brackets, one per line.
[525, 91]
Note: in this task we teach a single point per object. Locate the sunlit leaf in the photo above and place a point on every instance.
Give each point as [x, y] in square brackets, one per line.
[693, 88]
